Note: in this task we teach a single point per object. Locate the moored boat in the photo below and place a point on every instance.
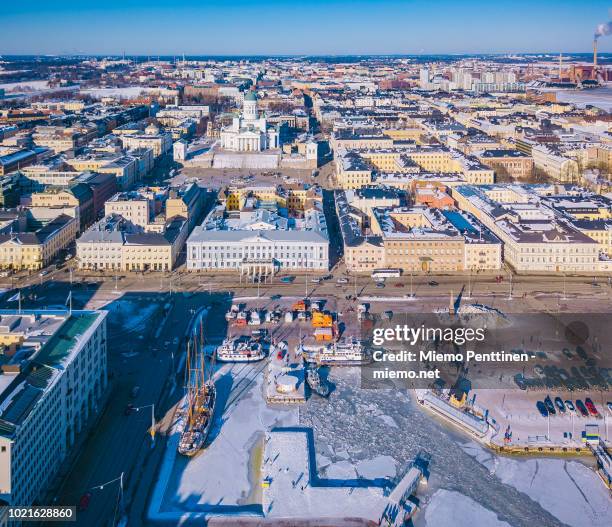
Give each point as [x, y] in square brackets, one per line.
[240, 349]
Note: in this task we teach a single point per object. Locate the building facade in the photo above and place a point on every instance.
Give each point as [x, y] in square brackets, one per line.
[50, 386]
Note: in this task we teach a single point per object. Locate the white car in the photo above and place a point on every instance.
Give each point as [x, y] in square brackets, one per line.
[342, 280]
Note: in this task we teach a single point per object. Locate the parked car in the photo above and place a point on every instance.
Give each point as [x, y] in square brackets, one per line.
[560, 405]
[84, 501]
[609, 405]
[549, 405]
[380, 285]
[542, 409]
[591, 407]
[581, 408]
[287, 279]
[342, 280]
[520, 381]
[128, 409]
[570, 406]
[433, 283]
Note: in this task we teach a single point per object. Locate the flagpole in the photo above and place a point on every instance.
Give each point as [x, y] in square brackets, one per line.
[19, 299]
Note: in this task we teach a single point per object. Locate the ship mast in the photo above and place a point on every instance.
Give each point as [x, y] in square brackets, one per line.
[189, 387]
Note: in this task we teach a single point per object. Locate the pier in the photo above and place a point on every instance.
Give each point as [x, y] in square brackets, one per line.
[604, 461]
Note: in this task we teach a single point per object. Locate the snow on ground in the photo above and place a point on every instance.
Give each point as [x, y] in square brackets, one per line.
[518, 409]
[292, 492]
[219, 476]
[25, 85]
[129, 92]
[569, 490]
[452, 509]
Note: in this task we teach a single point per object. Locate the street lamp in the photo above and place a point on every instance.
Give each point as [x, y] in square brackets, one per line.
[564, 297]
[510, 292]
[152, 429]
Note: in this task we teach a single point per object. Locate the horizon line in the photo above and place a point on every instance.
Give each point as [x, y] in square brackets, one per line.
[297, 55]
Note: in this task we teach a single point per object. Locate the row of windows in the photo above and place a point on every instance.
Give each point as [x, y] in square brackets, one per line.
[236, 264]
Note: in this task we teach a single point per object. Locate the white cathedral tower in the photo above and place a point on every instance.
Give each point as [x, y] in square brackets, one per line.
[249, 132]
[249, 107]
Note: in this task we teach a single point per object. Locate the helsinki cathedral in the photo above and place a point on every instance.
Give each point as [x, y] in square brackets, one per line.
[249, 132]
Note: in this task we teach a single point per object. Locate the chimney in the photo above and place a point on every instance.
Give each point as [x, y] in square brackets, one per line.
[595, 54]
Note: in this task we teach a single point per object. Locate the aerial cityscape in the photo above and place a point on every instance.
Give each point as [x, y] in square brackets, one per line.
[295, 265]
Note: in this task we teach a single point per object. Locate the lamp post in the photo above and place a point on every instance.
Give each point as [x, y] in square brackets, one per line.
[152, 429]
[510, 292]
[469, 294]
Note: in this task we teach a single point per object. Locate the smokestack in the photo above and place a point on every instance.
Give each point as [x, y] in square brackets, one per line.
[595, 54]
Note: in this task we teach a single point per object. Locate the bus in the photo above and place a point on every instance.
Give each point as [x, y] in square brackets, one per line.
[386, 273]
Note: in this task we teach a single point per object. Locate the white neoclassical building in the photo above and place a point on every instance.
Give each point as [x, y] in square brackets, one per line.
[249, 132]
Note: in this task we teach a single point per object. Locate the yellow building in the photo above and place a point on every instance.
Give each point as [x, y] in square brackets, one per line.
[112, 244]
[415, 240]
[365, 256]
[35, 250]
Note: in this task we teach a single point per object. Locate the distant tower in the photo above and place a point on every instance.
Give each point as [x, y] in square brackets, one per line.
[249, 108]
[424, 77]
[179, 150]
[312, 152]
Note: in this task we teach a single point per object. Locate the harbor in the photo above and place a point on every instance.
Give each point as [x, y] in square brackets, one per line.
[337, 438]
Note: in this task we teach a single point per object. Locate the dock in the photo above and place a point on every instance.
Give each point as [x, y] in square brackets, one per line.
[284, 383]
[604, 461]
[400, 509]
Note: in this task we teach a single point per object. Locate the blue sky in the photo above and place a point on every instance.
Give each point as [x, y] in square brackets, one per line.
[299, 27]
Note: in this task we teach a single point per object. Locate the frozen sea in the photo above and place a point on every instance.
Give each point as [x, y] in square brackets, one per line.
[600, 97]
[378, 430]
[372, 434]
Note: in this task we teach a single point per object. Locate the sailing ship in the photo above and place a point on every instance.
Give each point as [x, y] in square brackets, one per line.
[200, 398]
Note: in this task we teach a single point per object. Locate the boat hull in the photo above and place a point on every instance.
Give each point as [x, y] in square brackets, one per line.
[229, 357]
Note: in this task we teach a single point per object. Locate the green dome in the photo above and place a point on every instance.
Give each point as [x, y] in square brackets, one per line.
[250, 96]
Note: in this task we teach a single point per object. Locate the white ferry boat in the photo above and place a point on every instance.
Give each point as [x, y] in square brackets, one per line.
[345, 352]
[240, 349]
